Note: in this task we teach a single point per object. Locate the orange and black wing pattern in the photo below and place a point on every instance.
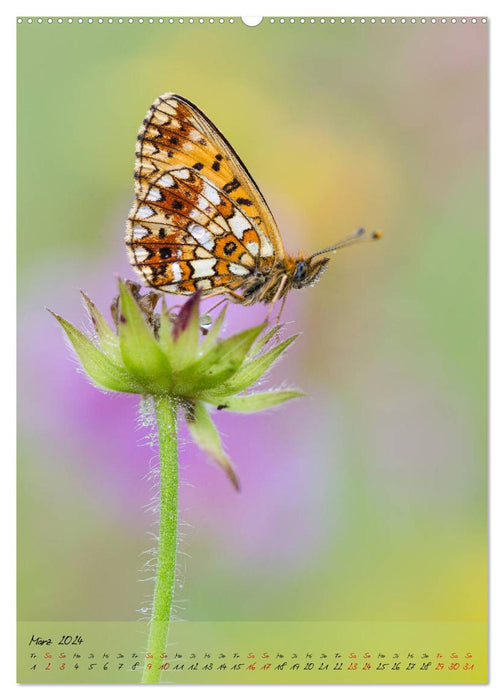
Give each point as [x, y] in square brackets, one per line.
[199, 221]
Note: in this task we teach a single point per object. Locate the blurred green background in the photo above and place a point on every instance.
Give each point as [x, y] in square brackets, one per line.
[367, 499]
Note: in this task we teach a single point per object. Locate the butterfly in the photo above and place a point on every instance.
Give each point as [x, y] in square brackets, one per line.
[200, 222]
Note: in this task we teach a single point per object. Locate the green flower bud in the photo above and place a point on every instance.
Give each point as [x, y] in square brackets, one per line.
[170, 356]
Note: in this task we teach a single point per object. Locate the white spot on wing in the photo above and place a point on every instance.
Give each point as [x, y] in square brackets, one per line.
[203, 267]
[183, 174]
[238, 269]
[166, 181]
[253, 248]
[210, 193]
[140, 231]
[144, 212]
[176, 272]
[266, 247]
[141, 254]
[202, 235]
[238, 224]
[204, 204]
[154, 195]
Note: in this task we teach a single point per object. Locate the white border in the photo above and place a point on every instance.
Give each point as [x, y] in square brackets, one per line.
[272, 8]
[227, 8]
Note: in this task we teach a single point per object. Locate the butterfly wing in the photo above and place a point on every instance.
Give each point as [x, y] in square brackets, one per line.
[199, 220]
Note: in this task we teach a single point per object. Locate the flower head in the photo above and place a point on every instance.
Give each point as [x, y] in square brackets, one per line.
[176, 356]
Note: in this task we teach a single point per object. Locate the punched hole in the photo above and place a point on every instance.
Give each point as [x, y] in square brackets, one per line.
[251, 21]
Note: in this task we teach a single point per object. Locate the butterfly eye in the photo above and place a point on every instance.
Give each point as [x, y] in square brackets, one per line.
[301, 270]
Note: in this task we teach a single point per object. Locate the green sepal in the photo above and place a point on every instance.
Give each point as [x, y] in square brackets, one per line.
[142, 356]
[217, 365]
[253, 370]
[264, 339]
[107, 339]
[205, 435]
[250, 403]
[101, 370]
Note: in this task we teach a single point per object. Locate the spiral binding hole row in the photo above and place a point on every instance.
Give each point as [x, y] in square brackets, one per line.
[232, 20]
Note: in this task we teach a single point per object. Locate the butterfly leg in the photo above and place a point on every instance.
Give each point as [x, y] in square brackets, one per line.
[216, 305]
[281, 309]
[234, 296]
[228, 294]
[277, 296]
[238, 299]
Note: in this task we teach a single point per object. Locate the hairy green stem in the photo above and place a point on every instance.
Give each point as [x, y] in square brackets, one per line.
[166, 417]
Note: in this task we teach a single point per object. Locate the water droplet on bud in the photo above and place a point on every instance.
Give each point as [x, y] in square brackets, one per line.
[206, 322]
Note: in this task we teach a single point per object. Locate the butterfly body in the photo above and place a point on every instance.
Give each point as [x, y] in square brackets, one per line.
[267, 284]
[199, 221]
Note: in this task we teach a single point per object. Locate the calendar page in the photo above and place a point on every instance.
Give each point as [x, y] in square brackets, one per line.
[252, 266]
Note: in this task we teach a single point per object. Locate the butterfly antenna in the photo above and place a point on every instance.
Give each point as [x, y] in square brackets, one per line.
[356, 237]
